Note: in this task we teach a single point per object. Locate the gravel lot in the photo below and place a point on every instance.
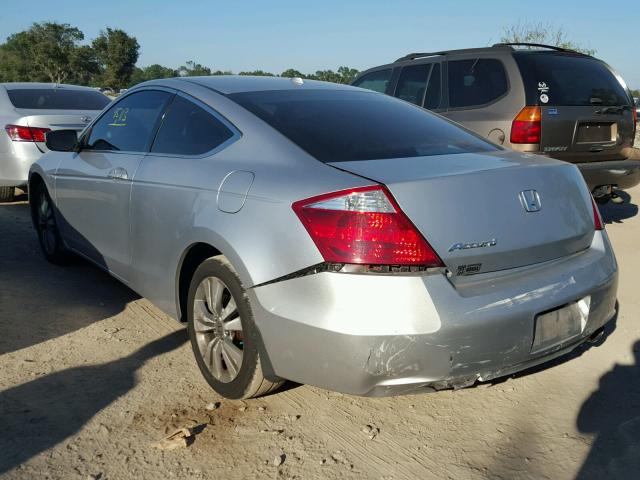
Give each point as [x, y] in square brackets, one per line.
[92, 375]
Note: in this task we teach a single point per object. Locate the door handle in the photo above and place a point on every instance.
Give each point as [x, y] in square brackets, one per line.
[118, 173]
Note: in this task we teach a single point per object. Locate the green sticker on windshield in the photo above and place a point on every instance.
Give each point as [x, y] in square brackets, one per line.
[120, 117]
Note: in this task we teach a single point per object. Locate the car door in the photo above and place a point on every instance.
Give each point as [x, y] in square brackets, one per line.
[184, 176]
[93, 186]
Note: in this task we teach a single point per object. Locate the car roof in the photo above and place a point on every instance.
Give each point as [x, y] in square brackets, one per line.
[37, 85]
[229, 84]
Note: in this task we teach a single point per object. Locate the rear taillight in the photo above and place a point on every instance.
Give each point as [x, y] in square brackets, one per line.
[597, 218]
[526, 127]
[20, 133]
[364, 226]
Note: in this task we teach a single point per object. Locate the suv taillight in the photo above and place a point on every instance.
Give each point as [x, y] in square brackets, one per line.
[364, 226]
[526, 127]
[20, 133]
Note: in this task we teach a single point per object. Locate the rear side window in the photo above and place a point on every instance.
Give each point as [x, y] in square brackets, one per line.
[377, 81]
[412, 83]
[348, 125]
[188, 129]
[128, 125]
[433, 98]
[57, 99]
[476, 82]
[566, 79]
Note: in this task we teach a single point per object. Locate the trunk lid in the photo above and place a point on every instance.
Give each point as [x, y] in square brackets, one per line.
[72, 119]
[472, 210]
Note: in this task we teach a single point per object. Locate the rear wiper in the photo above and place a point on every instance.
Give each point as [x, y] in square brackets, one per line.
[605, 110]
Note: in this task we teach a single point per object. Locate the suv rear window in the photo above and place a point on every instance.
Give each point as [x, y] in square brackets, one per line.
[349, 125]
[476, 82]
[57, 99]
[569, 80]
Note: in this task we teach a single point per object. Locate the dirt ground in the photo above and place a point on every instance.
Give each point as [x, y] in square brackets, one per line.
[91, 376]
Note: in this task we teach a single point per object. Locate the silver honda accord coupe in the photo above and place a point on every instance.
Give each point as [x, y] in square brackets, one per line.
[328, 235]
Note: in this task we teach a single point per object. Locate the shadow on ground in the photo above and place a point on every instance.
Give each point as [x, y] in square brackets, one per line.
[612, 414]
[41, 413]
[617, 213]
[40, 301]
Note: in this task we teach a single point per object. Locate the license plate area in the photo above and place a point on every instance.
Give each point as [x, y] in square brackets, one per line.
[596, 132]
[560, 325]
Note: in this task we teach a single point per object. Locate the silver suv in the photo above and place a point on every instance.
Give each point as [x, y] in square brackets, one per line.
[27, 112]
[528, 97]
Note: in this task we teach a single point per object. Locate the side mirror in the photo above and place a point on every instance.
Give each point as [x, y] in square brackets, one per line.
[61, 140]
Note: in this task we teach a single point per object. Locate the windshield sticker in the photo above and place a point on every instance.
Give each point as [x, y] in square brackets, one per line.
[120, 117]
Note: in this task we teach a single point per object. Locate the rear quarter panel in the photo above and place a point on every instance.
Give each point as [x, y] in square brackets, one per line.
[492, 121]
[175, 205]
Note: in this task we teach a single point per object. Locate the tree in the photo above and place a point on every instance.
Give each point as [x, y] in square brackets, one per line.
[258, 73]
[544, 33]
[152, 72]
[117, 53]
[44, 52]
[293, 73]
[193, 69]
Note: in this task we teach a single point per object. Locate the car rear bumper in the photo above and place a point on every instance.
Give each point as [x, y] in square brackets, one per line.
[624, 174]
[379, 335]
[16, 161]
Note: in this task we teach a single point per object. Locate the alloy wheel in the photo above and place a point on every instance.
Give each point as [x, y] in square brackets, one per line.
[218, 329]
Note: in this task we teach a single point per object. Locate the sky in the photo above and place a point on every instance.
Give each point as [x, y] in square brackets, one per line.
[325, 34]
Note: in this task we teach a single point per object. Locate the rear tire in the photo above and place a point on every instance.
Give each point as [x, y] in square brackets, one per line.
[7, 194]
[47, 227]
[223, 334]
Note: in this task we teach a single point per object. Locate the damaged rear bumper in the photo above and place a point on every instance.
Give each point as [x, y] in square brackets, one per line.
[380, 335]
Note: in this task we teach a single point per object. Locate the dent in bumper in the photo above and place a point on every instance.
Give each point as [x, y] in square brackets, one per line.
[380, 335]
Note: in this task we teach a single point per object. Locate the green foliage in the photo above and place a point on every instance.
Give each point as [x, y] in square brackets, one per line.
[152, 72]
[44, 52]
[258, 73]
[117, 53]
[193, 69]
[51, 52]
[292, 73]
[544, 33]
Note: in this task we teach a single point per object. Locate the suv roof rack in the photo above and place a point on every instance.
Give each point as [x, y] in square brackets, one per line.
[509, 45]
[413, 56]
[537, 45]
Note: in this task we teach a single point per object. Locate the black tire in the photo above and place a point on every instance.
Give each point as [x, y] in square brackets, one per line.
[7, 194]
[249, 381]
[47, 228]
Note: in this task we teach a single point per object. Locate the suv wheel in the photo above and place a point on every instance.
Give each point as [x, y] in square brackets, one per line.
[223, 334]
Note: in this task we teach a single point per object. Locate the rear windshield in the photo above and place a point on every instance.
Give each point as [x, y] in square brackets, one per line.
[343, 125]
[565, 79]
[57, 99]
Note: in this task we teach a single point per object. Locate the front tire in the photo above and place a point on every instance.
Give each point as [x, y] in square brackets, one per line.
[7, 194]
[223, 335]
[47, 228]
